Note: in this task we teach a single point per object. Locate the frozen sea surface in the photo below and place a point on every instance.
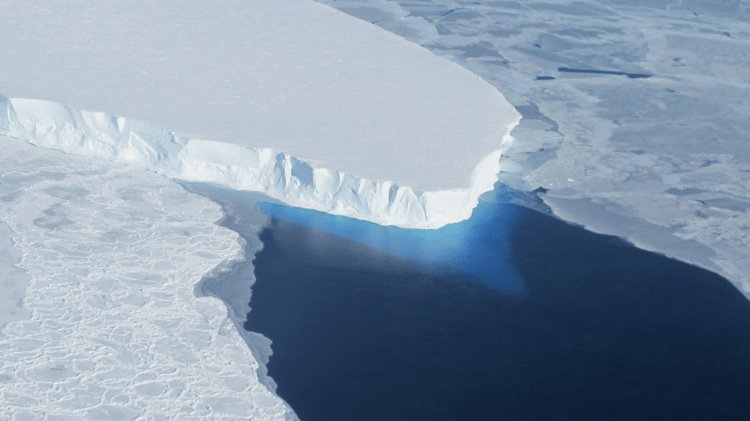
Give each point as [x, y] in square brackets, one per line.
[14, 280]
[113, 329]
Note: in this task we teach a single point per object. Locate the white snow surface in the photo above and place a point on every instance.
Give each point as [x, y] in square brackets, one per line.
[341, 95]
[115, 332]
[13, 281]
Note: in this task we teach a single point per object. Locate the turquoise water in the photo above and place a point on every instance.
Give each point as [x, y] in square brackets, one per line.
[475, 248]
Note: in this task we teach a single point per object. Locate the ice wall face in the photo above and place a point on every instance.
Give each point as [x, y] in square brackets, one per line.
[275, 173]
[289, 75]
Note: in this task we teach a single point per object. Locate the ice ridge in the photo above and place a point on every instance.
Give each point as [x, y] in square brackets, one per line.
[275, 173]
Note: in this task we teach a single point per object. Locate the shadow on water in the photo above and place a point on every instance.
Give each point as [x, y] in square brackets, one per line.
[364, 329]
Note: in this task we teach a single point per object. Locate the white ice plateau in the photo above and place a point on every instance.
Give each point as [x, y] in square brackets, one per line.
[366, 114]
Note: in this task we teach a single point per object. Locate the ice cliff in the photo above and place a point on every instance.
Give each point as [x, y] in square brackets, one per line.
[277, 174]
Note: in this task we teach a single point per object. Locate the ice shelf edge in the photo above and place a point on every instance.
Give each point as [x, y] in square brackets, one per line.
[275, 173]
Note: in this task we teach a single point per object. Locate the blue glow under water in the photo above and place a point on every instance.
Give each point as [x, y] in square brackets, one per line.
[478, 248]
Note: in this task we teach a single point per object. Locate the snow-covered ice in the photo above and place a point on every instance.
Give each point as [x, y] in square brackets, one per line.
[14, 280]
[116, 332]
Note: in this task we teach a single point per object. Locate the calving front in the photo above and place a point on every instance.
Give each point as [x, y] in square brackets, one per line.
[275, 173]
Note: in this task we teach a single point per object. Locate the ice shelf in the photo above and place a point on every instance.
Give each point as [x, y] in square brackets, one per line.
[273, 172]
[370, 125]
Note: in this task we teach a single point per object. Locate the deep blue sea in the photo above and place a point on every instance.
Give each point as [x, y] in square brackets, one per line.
[511, 315]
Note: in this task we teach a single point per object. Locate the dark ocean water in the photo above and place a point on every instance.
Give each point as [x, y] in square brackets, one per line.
[512, 315]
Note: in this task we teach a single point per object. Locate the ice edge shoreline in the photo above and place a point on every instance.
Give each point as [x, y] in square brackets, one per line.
[259, 345]
[208, 307]
[275, 173]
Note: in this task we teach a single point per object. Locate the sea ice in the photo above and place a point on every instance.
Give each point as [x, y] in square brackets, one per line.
[662, 160]
[14, 280]
[112, 255]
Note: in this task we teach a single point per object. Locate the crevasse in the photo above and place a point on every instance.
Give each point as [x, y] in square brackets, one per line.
[283, 177]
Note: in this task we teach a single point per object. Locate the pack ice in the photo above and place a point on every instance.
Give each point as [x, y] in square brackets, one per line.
[115, 332]
[635, 113]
